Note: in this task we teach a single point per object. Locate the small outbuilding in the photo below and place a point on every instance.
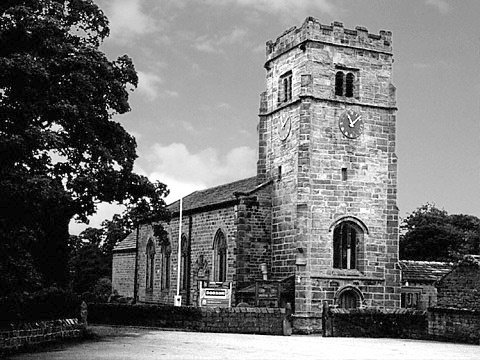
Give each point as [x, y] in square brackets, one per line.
[418, 289]
[457, 314]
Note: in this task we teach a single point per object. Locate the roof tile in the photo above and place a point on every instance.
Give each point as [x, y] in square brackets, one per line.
[214, 195]
[129, 243]
[424, 270]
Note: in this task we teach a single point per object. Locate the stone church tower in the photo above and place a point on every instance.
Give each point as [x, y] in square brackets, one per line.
[327, 139]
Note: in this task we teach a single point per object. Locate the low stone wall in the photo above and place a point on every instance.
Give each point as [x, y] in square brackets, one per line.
[36, 333]
[390, 323]
[451, 324]
[271, 321]
[307, 324]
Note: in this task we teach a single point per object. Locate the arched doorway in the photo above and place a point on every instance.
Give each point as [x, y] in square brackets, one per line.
[349, 298]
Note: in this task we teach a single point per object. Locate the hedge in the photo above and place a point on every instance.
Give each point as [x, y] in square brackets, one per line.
[47, 304]
[144, 315]
[371, 322]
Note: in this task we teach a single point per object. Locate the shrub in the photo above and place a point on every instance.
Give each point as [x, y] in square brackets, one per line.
[47, 304]
[102, 289]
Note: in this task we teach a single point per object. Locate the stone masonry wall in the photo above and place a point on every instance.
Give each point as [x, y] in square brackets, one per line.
[38, 333]
[395, 323]
[460, 288]
[267, 321]
[427, 293]
[253, 222]
[123, 270]
[460, 325]
[279, 160]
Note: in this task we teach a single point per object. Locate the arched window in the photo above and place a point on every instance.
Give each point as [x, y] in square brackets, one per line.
[349, 85]
[166, 251]
[220, 256]
[185, 264]
[339, 83]
[345, 239]
[150, 266]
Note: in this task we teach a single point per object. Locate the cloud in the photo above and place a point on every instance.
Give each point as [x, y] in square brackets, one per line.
[128, 19]
[184, 171]
[436, 65]
[212, 44]
[442, 6]
[280, 6]
[420, 65]
[187, 126]
[170, 94]
[148, 84]
[105, 211]
[216, 107]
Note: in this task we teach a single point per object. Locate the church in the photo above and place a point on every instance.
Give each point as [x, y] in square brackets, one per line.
[318, 224]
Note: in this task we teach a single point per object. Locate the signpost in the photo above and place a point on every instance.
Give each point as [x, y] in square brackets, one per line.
[267, 293]
[215, 294]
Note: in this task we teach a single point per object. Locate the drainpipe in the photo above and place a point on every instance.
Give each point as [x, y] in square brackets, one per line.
[189, 259]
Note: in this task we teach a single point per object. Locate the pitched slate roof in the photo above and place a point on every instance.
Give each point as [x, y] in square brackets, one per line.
[215, 195]
[129, 243]
[423, 270]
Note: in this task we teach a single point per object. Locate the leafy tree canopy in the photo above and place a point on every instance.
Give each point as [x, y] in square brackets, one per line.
[61, 152]
[432, 234]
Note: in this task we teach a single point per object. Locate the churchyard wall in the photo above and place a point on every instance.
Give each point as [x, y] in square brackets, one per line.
[33, 334]
[225, 320]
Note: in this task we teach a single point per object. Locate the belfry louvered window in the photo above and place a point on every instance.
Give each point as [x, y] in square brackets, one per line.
[285, 88]
[345, 84]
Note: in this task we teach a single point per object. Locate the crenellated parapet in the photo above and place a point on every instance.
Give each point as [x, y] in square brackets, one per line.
[336, 34]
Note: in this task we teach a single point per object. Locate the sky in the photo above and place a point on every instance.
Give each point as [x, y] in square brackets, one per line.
[200, 67]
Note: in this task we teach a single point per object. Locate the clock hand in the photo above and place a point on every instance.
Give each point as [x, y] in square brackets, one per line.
[350, 123]
[355, 121]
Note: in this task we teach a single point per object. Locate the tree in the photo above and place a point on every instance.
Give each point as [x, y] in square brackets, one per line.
[432, 234]
[88, 263]
[91, 252]
[61, 152]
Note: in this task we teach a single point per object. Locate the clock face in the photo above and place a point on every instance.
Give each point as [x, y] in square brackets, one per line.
[351, 124]
[284, 126]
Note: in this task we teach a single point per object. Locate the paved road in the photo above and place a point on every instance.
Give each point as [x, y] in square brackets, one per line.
[139, 344]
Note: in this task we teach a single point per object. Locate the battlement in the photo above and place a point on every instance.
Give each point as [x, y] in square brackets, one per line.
[335, 34]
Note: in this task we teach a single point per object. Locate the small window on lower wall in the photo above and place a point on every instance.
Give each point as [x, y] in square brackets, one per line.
[410, 299]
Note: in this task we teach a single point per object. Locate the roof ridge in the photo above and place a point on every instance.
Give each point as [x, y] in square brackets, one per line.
[213, 188]
[426, 261]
